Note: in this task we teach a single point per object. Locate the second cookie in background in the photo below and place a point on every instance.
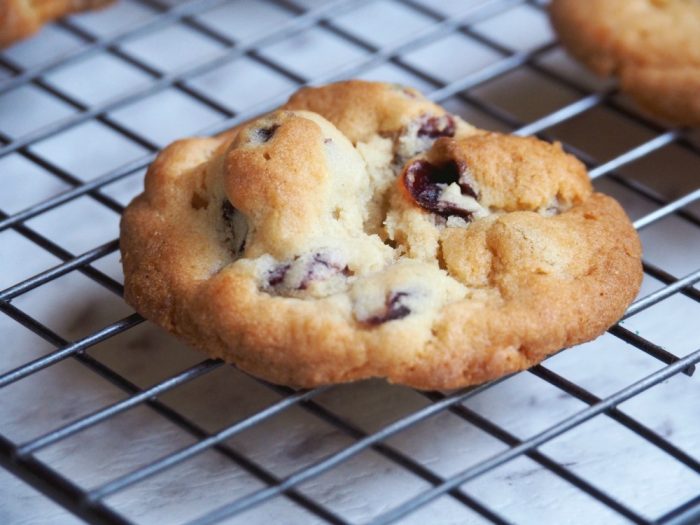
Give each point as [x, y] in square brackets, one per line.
[652, 46]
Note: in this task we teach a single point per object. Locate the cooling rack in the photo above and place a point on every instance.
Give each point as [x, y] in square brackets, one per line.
[106, 419]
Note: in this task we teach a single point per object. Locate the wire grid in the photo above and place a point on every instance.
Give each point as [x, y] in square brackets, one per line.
[23, 458]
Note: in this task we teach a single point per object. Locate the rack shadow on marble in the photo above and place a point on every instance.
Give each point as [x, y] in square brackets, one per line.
[20, 458]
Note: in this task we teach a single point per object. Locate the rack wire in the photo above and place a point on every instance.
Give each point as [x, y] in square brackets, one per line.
[25, 457]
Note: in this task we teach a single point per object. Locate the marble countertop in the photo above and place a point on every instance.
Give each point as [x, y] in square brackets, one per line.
[601, 451]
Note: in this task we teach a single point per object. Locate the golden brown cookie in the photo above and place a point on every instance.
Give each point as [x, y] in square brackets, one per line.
[362, 231]
[653, 46]
[21, 18]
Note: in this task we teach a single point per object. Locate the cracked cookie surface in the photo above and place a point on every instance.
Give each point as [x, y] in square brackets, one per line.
[653, 46]
[362, 231]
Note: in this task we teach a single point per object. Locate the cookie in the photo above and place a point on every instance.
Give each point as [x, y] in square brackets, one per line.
[653, 46]
[363, 231]
[21, 18]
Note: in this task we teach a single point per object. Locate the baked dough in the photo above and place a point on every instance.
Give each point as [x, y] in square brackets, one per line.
[653, 46]
[21, 18]
[362, 231]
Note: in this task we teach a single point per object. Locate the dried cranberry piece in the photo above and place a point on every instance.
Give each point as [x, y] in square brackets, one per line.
[421, 182]
[423, 179]
[227, 211]
[434, 127]
[265, 134]
[227, 214]
[276, 276]
[466, 189]
[320, 267]
[395, 309]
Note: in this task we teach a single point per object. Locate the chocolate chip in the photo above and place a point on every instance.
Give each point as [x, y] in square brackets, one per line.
[434, 127]
[425, 182]
[265, 134]
[394, 309]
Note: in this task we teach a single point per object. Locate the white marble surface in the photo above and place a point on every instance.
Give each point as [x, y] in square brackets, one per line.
[601, 451]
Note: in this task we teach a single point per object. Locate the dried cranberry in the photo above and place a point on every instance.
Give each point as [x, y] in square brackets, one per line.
[395, 309]
[434, 127]
[425, 182]
[320, 268]
[228, 213]
[276, 276]
[265, 134]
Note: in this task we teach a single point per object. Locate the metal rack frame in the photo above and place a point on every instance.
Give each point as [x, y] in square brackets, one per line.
[20, 458]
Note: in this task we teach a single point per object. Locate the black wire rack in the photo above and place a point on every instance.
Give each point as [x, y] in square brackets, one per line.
[26, 458]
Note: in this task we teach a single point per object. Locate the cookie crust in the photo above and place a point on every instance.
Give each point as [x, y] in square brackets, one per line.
[292, 247]
[22, 18]
[652, 46]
